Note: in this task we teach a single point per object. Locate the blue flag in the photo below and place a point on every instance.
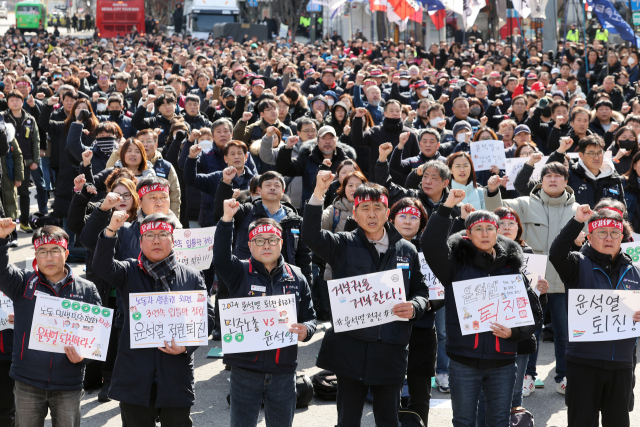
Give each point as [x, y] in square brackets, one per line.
[611, 20]
[432, 5]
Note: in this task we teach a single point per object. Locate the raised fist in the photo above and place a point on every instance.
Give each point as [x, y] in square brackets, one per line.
[194, 151]
[246, 116]
[228, 174]
[118, 218]
[455, 197]
[79, 182]
[404, 137]
[6, 227]
[110, 201]
[231, 206]
[361, 112]
[87, 155]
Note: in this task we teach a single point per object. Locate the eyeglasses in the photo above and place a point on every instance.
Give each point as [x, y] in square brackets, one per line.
[615, 234]
[43, 253]
[272, 241]
[411, 218]
[150, 237]
[125, 196]
[595, 154]
[507, 224]
[480, 231]
[462, 166]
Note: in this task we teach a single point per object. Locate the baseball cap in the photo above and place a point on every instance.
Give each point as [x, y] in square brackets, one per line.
[375, 73]
[473, 82]
[326, 129]
[555, 71]
[328, 70]
[258, 82]
[537, 86]
[494, 74]
[522, 128]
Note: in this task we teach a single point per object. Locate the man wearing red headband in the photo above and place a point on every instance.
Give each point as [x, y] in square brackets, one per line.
[599, 374]
[374, 246]
[150, 382]
[265, 376]
[43, 379]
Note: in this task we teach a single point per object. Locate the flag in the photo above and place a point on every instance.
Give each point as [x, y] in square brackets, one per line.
[522, 6]
[417, 16]
[432, 5]
[379, 5]
[538, 8]
[458, 6]
[438, 18]
[501, 9]
[404, 8]
[611, 20]
[471, 10]
[335, 6]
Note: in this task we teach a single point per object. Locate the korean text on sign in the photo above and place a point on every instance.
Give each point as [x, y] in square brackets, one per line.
[602, 314]
[535, 267]
[6, 308]
[488, 153]
[436, 289]
[514, 165]
[60, 322]
[367, 300]
[194, 246]
[258, 323]
[156, 317]
[488, 300]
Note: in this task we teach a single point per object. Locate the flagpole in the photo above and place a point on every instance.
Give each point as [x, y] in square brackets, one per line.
[586, 51]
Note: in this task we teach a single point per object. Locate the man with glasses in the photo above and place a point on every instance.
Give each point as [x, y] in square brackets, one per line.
[600, 373]
[43, 380]
[592, 177]
[269, 376]
[150, 383]
[543, 214]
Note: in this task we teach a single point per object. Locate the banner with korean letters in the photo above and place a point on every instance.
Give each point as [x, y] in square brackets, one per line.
[366, 300]
[494, 299]
[59, 322]
[514, 165]
[194, 246]
[603, 314]
[157, 317]
[258, 323]
[436, 289]
[6, 308]
[486, 154]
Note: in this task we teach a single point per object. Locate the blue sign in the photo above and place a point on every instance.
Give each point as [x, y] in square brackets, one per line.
[635, 5]
[252, 3]
[313, 7]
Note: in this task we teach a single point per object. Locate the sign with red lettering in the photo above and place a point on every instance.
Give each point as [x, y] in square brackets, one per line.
[258, 323]
[367, 300]
[60, 322]
[156, 317]
[6, 308]
[488, 300]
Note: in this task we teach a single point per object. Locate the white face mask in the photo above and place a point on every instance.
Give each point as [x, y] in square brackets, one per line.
[461, 137]
[404, 83]
[167, 75]
[101, 107]
[425, 92]
[434, 122]
[205, 144]
[330, 102]
[631, 61]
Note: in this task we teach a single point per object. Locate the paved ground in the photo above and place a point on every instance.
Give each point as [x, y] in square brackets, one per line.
[212, 385]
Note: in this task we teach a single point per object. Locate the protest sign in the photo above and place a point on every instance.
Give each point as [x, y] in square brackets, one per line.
[157, 317]
[366, 300]
[514, 165]
[6, 308]
[436, 289]
[535, 267]
[258, 323]
[194, 246]
[486, 154]
[59, 322]
[495, 299]
[603, 314]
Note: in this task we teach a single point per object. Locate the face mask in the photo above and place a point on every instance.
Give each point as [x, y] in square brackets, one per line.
[205, 144]
[461, 137]
[158, 77]
[627, 144]
[72, 59]
[434, 122]
[230, 105]
[101, 107]
[114, 114]
[167, 75]
[424, 92]
[331, 102]
[475, 111]
[15, 41]
[631, 61]
[404, 83]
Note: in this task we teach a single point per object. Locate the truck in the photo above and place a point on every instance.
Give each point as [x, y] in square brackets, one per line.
[200, 16]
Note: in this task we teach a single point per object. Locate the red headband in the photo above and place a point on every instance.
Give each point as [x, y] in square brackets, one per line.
[156, 225]
[411, 210]
[359, 200]
[23, 84]
[612, 209]
[261, 229]
[510, 216]
[46, 240]
[487, 220]
[151, 188]
[369, 83]
[606, 222]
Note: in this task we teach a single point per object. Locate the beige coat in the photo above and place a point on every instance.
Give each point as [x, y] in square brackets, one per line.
[345, 208]
[542, 218]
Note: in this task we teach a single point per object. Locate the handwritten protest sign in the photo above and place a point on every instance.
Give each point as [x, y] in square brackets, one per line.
[194, 246]
[535, 266]
[366, 300]
[436, 289]
[6, 308]
[486, 154]
[602, 314]
[487, 300]
[157, 317]
[257, 323]
[515, 165]
[60, 322]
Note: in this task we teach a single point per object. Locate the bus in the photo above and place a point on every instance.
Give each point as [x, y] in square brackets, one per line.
[118, 17]
[30, 15]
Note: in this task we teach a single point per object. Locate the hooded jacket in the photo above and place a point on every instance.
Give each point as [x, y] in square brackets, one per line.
[332, 121]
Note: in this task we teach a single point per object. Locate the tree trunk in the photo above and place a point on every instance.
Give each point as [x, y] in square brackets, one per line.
[288, 12]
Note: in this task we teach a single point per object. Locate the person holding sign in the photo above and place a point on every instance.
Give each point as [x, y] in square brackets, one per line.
[599, 374]
[264, 376]
[478, 360]
[373, 358]
[150, 382]
[44, 379]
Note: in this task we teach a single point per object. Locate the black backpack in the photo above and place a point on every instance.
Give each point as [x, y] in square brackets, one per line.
[325, 385]
[409, 419]
[304, 391]
[520, 417]
[38, 221]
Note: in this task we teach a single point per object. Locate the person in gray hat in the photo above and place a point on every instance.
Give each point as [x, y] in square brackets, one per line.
[521, 135]
[463, 134]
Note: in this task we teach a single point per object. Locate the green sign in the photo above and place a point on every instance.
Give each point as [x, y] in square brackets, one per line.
[636, 18]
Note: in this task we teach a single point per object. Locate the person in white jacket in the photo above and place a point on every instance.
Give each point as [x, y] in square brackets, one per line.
[543, 213]
[464, 178]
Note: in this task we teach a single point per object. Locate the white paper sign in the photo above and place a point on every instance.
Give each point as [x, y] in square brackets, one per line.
[495, 299]
[157, 317]
[6, 308]
[535, 266]
[257, 323]
[602, 314]
[59, 322]
[284, 30]
[366, 300]
[436, 289]
[486, 154]
[514, 165]
[194, 246]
